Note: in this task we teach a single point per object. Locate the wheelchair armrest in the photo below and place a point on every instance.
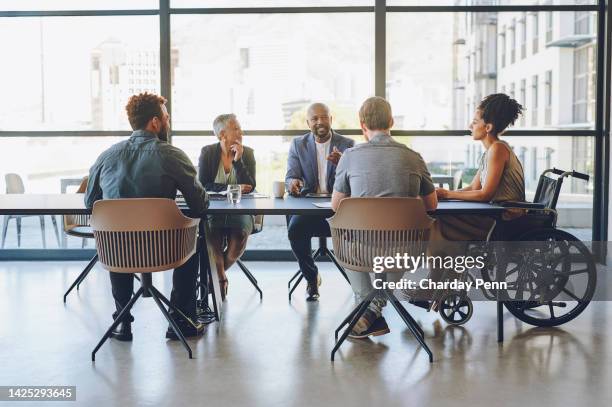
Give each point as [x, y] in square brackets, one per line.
[522, 205]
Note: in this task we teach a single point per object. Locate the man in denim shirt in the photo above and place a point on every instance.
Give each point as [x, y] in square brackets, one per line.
[146, 166]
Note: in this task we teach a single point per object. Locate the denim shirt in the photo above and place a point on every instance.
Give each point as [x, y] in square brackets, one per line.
[145, 167]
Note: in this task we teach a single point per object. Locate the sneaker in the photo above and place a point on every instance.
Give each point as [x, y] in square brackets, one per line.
[364, 321]
[312, 290]
[376, 328]
[188, 330]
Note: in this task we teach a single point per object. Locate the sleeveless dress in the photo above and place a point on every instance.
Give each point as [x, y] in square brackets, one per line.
[511, 187]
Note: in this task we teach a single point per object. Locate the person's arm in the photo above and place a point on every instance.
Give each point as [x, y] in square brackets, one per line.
[427, 190]
[474, 185]
[336, 198]
[342, 185]
[431, 201]
[93, 192]
[245, 169]
[498, 156]
[294, 176]
[179, 167]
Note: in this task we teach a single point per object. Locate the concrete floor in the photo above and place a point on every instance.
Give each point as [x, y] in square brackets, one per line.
[276, 353]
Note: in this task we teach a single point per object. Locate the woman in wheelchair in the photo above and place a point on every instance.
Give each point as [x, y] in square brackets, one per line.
[221, 164]
[551, 275]
[500, 175]
[499, 178]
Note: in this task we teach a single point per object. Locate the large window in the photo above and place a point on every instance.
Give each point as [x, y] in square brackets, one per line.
[69, 66]
[266, 71]
[66, 73]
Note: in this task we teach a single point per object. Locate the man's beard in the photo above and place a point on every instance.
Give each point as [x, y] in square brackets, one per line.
[163, 134]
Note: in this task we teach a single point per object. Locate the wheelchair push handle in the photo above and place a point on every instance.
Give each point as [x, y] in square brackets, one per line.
[572, 173]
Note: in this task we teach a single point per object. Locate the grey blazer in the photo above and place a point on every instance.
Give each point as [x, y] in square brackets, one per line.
[302, 161]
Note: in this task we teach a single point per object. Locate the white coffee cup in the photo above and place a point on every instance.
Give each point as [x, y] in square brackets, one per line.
[278, 189]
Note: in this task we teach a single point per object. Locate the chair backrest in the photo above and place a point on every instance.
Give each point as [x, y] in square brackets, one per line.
[72, 221]
[547, 191]
[457, 183]
[365, 228]
[14, 184]
[142, 235]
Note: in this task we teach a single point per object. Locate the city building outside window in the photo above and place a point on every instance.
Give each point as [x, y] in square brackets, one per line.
[534, 100]
[523, 31]
[512, 33]
[548, 98]
[549, 26]
[584, 85]
[522, 97]
[502, 42]
[535, 33]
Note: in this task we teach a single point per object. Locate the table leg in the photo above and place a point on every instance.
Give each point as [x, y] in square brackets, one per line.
[208, 272]
[500, 321]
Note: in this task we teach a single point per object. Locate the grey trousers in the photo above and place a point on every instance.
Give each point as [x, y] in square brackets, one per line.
[361, 283]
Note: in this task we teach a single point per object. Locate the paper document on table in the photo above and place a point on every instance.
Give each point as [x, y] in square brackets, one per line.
[322, 204]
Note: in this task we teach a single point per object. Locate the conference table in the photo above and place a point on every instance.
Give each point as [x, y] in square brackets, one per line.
[66, 204]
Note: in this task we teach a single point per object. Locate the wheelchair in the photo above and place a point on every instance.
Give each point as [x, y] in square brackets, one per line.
[550, 274]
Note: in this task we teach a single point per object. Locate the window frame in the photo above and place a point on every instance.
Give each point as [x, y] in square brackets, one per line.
[379, 11]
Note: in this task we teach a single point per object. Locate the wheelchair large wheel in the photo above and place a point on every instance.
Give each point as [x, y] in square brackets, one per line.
[551, 278]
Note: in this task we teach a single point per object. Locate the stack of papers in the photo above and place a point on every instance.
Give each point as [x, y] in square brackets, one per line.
[326, 205]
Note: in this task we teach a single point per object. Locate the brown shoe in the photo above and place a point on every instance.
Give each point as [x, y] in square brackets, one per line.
[312, 290]
[376, 328]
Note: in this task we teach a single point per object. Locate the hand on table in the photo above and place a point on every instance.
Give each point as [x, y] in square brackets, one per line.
[246, 188]
[442, 193]
[295, 186]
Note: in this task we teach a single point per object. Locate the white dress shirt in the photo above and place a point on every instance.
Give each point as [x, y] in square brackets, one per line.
[322, 153]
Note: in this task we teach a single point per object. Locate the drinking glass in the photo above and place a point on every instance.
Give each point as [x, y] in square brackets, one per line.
[234, 194]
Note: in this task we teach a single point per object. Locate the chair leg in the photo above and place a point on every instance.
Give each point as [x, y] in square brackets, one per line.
[406, 315]
[117, 321]
[18, 220]
[81, 276]
[296, 275]
[57, 235]
[250, 276]
[42, 231]
[346, 320]
[402, 311]
[295, 285]
[361, 310]
[335, 261]
[500, 321]
[90, 265]
[172, 306]
[171, 321]
[5, 228]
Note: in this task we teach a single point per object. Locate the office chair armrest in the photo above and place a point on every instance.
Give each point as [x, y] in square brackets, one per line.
[522, 205]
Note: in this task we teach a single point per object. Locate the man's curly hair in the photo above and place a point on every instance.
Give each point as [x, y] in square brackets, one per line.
[142, 108]
[500, 110]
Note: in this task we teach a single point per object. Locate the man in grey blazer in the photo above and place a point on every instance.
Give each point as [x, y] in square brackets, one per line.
[311, 168]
